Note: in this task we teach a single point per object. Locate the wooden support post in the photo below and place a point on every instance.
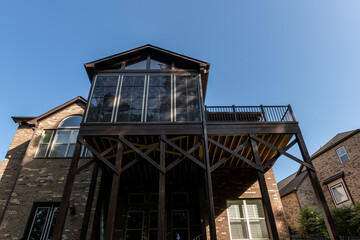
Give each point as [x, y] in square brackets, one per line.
[317, 189]
[208, 181]
[200, 184]
[89, 202]
[110, 221]
[162, 196]
[64, 205]
[264, 193]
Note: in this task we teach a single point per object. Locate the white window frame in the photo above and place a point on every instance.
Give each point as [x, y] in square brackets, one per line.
[337, 152]
[245, 218]
[333, 194]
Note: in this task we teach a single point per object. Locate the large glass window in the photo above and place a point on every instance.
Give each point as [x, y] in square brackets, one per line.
[339, 193]
[61, 142]
[42, 222]
[159, 99]
[247, 219]
[101, 106]
[131, 99]
[187, 98]
[145, 98]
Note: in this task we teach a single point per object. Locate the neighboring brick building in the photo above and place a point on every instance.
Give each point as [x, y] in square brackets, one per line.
[338, 168]
[144, 158]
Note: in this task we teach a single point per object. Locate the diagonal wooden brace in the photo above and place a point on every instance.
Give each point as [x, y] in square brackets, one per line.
[99, 156]
[235, 154]
[179, 160]
[282, 152]
[163, 138]
[143, 155]
[272, 160]
[136, 160]
[224, 159]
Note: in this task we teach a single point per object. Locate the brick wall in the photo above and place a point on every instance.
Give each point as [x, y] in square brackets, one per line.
[42, 180]
[328, 164]
[292, 210]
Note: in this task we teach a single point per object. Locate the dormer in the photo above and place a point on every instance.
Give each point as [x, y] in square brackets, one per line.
[146, 84]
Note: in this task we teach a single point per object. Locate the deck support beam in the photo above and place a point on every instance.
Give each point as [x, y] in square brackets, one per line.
[110, 222]
[330, 225]
[264, 192]
[89, 202]
[64, 205]
[162, 196]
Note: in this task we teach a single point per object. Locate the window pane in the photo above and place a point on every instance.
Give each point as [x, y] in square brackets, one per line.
[187, 98]
[180, 219]
[339, 193]
[153, 235]
[159, 65]
[102, 99]
[136, 65]
[153, 219]
[39, 222]
[341, 151]
[254, 208]
[42, 150]
[344, 158]
[159, 99]
[258, 228]
[58, 150]
[74, 136]
[46, 136]
[71, 122]
[56, 211]
[134, 220]
[134, 234]
[239, 229]
[62, 136]
[71, 149]
[131, 99]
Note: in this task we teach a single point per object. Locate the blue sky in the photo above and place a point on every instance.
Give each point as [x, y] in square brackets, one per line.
[279, 52]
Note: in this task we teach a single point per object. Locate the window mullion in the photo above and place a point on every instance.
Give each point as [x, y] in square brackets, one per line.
[50, 146]
[69, 143]
[117, 99]
[247, 219]
[146, 95]
[47, 224]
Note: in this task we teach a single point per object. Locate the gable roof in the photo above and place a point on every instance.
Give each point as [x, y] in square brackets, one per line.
[339, 138]
[98, 65]
[34, 120]
[291, 183]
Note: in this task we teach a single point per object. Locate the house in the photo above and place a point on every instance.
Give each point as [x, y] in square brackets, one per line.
[144, 158]
[337, 164]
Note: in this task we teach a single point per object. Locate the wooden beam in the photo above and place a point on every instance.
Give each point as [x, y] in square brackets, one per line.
[99, 156]
[162, 196]
[282, 152]
[143, 155]
[224, 159]
[85, 165]
[182, 151]
[136, 160]
[64, 204]
[179, 160]
[200, 190]
[110, 221]
[236, 155]
[330, 225]
[89, 202]
[272, 160]
[264, 193]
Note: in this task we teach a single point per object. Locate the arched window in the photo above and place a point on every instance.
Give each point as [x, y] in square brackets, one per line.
[61, 141]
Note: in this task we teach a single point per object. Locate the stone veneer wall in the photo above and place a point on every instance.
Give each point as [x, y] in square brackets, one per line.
[328, 164]
[241, 183]
[42, 180]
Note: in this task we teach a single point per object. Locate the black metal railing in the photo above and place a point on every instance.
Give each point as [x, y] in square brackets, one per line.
[249, 114]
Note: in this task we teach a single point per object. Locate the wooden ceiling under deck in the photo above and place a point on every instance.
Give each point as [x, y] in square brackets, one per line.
[144, 171]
